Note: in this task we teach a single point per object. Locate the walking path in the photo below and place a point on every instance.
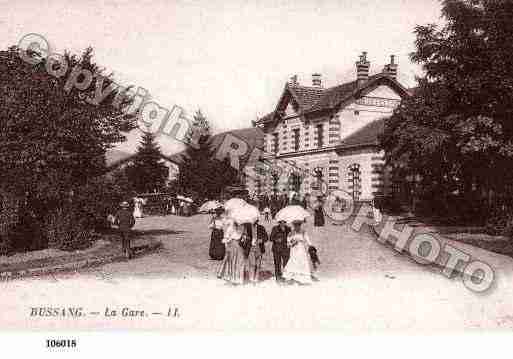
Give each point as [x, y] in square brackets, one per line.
[502, 265]
[365, 286]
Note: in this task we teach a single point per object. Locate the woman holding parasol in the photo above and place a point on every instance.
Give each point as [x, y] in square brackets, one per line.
[299, 265]
[236, 240]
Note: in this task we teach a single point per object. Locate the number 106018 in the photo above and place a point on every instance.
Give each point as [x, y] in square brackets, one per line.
[61, 343]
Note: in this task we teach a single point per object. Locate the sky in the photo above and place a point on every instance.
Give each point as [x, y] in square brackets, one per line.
[229, 58]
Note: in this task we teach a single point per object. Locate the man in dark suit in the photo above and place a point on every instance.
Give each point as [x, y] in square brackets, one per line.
[125, 221]
[281, 252]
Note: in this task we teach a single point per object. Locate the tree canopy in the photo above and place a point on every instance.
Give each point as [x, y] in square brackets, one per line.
[148, 172]
[455, 133]
[53, 140]
[201, 175]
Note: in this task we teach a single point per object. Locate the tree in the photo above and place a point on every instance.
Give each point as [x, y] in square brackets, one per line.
[53, 139]
[455, 134]
[48, 131]
[147, 172]
[200, 130]
[201, 175]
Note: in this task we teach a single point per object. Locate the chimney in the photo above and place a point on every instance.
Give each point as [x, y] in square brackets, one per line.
[293, 81]
[316, 80]
[362, 69]
[391, 68]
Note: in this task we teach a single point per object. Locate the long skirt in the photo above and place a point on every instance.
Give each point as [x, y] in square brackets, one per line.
[217, 248]
[299, 266]
[254, 263]
[233, 265]
[319, 217]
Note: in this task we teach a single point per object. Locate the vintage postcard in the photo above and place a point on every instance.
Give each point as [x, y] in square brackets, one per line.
[256, 166]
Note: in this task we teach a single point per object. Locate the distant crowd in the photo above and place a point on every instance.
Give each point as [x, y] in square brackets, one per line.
[276, 202]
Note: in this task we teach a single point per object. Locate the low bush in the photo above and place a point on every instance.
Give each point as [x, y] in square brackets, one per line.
[500, 223]
[66, 230]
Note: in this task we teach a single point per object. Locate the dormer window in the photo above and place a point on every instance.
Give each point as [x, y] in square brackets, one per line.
[291, 109]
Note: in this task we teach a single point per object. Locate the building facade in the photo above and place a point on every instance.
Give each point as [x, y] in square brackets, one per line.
[322, 139]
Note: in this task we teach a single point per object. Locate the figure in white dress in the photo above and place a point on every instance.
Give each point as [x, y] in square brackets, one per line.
[138, 207]
[299, 265]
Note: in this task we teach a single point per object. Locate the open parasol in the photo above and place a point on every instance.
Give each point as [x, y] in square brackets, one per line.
[291, 214]
[209, 206]
[245, 213]
[234, 203]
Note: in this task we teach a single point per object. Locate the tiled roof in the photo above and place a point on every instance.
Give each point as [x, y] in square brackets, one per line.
[311, 99]
[367, 135]
[253, 136]
[306, 96]
[333, 95]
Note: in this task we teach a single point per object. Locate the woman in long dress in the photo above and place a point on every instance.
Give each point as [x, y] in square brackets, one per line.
[233, 265]
[299, 265]
[217, 248]
[138, 210]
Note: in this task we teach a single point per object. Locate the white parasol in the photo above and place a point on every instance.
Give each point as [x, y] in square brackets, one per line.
[234, 203]
[252, 209]
[290, 214]
[209, 206]
[245, 214]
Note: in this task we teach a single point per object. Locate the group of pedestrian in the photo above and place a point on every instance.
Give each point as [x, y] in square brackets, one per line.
[270, 205]
[241, 247]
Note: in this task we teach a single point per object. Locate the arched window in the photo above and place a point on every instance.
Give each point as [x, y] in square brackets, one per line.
[355, 181]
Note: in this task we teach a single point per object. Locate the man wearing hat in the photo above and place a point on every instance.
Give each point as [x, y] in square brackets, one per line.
[125, 221]
[281, 252]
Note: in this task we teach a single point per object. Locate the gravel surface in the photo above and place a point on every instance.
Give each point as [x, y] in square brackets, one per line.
[364, 286]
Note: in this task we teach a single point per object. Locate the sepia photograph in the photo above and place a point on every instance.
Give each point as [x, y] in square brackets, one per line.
[256, 166]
